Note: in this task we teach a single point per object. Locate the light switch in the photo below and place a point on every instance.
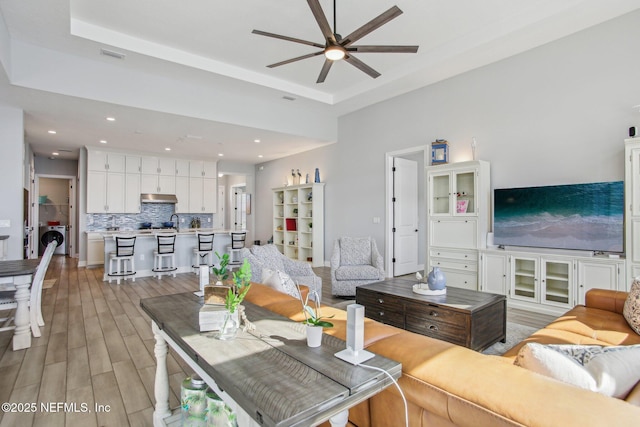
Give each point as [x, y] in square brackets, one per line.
[5, 223]
[376, 220]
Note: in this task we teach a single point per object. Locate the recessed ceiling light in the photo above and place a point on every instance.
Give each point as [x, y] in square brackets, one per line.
[220, 175]
[259, 156]
[103, 141]
[53, 132]
[220, 155]
[167, 149]
[111, 119]
[55, 153]
[257, 141]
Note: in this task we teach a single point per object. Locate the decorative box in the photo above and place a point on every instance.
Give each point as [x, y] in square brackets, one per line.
[439, 152]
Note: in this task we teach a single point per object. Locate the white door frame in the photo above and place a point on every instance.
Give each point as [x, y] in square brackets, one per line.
[388, 252]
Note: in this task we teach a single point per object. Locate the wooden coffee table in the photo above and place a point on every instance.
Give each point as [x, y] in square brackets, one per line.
[469, 318]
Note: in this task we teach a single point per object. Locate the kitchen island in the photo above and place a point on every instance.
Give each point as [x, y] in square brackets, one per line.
[146, 243]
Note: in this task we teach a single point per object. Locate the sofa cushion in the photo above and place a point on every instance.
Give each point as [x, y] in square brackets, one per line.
[631, 309]
[612, 371]
[357, 272]
[355, 251]
[280, 281]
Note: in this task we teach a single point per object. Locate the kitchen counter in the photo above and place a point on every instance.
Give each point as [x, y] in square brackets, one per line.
[186, 241]
[151, 232]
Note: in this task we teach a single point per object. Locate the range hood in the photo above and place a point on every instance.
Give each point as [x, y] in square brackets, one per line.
[158, 198]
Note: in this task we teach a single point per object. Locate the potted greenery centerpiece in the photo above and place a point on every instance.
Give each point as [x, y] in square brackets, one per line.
[222, 272]
[313, 320]
[235, 295]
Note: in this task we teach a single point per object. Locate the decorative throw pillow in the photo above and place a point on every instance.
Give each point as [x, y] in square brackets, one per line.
[280, 281]
[612, 371]
[631, 309]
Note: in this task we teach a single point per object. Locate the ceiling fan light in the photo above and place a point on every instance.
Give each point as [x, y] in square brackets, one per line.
[334, 53]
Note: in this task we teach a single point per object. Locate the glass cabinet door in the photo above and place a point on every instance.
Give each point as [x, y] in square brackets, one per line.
[465, 193]
[440, 194]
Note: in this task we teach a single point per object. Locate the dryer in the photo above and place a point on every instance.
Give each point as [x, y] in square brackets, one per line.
[50, 233]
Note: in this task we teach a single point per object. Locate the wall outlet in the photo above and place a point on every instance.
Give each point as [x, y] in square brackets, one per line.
[182, 220]
[141, 257]
[208, 219]
[376, 220]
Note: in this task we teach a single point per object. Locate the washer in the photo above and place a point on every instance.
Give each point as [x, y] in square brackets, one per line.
[50, 233]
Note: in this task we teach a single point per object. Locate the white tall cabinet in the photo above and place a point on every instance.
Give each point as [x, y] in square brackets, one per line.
[458, 217]
[298, 222]
[632, 208]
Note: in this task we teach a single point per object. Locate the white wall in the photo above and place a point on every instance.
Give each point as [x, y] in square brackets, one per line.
[12, 163]
[553, 115]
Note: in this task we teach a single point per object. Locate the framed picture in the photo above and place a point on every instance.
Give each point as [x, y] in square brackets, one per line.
[248, 201]
[462, 206]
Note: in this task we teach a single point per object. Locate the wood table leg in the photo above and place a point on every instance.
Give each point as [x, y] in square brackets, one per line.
[161, 388]
[22, 333]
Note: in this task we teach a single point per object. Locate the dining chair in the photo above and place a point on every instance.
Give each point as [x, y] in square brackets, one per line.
[8, 301]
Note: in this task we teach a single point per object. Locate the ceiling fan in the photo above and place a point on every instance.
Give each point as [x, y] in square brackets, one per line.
[337, 47]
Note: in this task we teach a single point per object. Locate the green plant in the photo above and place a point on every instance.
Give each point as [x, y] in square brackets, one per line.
[242, 283]
[221, 273]
[312, 315]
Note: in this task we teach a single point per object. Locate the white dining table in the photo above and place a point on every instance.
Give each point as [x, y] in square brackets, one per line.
[17, 275]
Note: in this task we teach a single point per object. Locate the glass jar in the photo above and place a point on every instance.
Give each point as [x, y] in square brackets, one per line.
[193, 402]
[219, 414]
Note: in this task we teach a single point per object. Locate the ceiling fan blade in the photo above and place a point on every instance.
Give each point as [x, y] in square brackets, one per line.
[383, 49]
[325, 70]
[287, 38]
[321, 19]
[370, 26]
[298, 58]
[361, 66]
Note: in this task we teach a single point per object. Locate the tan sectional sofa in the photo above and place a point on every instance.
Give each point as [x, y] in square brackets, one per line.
[449, 385]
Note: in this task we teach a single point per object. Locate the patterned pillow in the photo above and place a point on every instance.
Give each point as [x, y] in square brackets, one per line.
[280, 281]
[612, 371]
[631, 309]
[355, 251]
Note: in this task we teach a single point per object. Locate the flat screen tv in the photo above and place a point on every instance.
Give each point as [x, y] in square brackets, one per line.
[579, 216]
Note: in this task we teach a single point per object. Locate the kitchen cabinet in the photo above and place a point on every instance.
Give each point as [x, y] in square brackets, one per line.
[204, 169]
[132, 193]
[182, 167]
[95, 249]
[158, 166]
[202, 195]
[105, 192]
[105, 161]
[182, 194]
[160, 184]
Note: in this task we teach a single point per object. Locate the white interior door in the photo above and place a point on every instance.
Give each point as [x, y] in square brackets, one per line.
[405, 216]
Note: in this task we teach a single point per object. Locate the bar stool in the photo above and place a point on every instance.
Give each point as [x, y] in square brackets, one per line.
[202, 251]
[237, 244]
[165, 251]
[125, 245]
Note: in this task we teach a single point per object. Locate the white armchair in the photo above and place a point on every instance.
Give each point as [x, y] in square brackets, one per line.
[355, 261]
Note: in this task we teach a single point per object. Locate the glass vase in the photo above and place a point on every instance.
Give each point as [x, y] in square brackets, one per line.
[229, 328]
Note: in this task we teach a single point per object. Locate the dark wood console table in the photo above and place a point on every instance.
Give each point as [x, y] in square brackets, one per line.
[469, 318]
[268, 376]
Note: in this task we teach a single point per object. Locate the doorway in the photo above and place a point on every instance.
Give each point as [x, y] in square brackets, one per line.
[406, 211]
[54, 207]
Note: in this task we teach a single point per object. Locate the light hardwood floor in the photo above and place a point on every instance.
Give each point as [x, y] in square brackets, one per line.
[97, 348]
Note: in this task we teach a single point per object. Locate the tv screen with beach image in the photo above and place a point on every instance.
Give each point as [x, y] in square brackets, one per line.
[578, 216]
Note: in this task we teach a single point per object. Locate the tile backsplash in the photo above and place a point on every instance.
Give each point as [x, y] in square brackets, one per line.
[155, 213]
